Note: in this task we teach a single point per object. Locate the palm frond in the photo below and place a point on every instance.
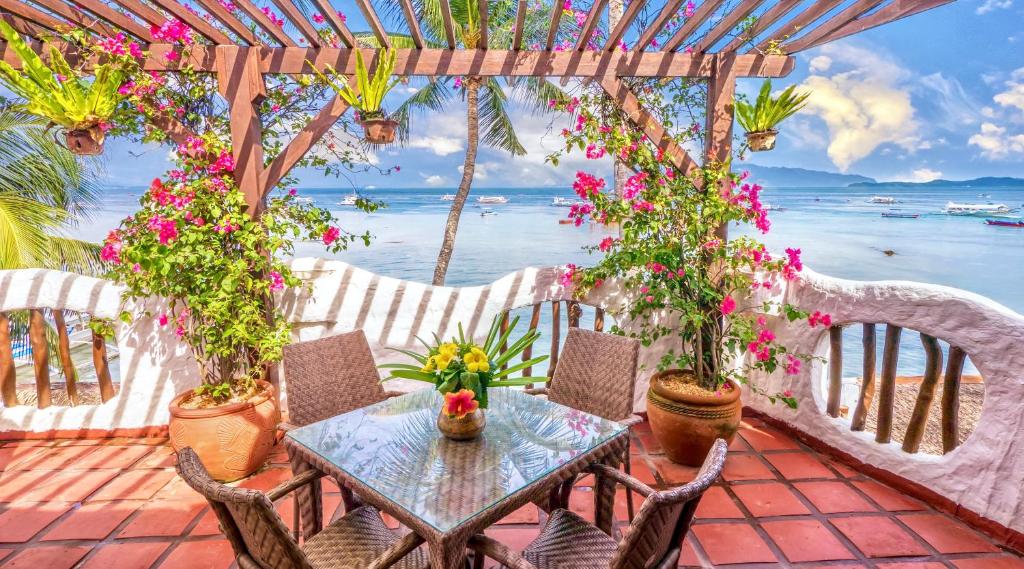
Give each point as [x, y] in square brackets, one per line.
[498, 131]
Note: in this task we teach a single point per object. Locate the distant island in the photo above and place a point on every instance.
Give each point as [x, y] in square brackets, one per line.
[784, 177]
[977, 183]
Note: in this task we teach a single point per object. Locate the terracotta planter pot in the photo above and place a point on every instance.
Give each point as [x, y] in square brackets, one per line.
[464, 429]
[85, 142]
[379, 131]
[687, 425]
[233, 440]
[762, 141]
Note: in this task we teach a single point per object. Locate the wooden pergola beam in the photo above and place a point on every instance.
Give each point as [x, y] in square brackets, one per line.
[240, 82]
[593, 16]
[302, 143]
[371, 18]
[703, 13]
[263, 21]
[851, 13]
[23, 26]
[517, 34]
[339, 27]
[449, 23]
[201, 26]
[630, 104]
[61, 9]
[556, 17]
[227, 19]
[720, 115]
[628, 16]
[482, 9]
[298, 19]
[113, 17]
[31, 16]
[896, 10]
[726, 24]
[668, 11]
[410, 19]
[764, 21]
[142, 11]
[799, 22]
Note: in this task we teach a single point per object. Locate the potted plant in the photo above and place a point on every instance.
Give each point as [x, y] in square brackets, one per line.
[193, 244]
[463, 371]
[759, 120]
[59, 93]
[369, 94]
[690, 293]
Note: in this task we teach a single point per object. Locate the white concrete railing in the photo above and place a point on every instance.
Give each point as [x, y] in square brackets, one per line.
[985, 474]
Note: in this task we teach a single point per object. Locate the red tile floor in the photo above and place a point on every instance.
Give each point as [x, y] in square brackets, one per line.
[117, 503]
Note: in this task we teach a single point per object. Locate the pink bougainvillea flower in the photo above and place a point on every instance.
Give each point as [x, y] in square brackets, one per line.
[728, 305]
[634, 185]
[163, 319]
[331, 235]
[568, 275]
[593, 152]
[460, 403]
[111, 253]
[318, 18]
[606, 244]
[276, 281]
[643, 205]
[792, 366]
[587, 185]
[819, 318]
[458, 82]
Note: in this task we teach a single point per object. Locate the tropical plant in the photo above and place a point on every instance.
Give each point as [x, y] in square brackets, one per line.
[371, 90]
[58, 92]
[463, 365]
[686, 280]
[768, 111]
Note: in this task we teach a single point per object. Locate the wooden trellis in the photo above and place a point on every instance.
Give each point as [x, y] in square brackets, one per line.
[243, 44]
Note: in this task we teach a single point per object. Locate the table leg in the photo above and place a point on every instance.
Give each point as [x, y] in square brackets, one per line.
[448, 553]
[310, 500]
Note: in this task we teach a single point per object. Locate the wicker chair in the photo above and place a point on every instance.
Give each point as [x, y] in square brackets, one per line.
[358, 540]
[596, 373]
[654, 539]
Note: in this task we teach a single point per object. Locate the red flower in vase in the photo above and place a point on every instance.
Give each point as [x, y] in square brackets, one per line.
[460, 403]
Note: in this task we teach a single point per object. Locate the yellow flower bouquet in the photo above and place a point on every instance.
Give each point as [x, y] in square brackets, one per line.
[463, 370]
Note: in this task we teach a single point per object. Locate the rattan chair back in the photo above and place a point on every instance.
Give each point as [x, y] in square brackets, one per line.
[665, 517]
[330, 376]
[596, 373]
[247, 518]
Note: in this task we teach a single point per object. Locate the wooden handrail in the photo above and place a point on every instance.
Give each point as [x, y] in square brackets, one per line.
[887, 385]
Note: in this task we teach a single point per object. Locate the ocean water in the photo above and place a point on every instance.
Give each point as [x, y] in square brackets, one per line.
[838, 231]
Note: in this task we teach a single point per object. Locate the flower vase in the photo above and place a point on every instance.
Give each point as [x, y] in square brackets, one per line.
[464, 428]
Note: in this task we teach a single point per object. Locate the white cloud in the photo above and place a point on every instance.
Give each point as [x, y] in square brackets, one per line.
[991, 5]
[925, 175]
[434, 180]
[820, 64]
[955, 108]
[865, 107]
[995, 142]
[482, 170]
[439, 145]
[1013, 96]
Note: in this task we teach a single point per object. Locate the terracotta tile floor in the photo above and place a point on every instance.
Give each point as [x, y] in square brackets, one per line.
[117, 504]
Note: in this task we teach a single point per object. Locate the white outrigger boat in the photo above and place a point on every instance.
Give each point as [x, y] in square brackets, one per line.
[882, 199]
[492, 199]
[349, 199]
[563, 202]
[448, 198]
[953, 208]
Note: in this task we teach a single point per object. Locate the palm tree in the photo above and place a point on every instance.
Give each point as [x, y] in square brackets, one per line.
[44, 190]
[486, 98]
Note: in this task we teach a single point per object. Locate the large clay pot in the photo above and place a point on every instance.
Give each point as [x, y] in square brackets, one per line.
[687, 425]
[464, 428]
[232, 440]
[762, 141]
[379, 131]
[85, 142]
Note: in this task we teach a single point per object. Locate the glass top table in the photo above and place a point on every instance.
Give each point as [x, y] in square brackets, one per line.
[393, 456]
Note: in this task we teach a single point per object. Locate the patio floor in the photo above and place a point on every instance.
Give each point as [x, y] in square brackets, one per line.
[117, 503]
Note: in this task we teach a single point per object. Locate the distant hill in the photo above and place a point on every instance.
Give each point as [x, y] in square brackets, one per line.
[989, 182]
[782, 177]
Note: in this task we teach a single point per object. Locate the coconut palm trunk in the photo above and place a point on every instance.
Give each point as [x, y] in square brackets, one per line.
[451, 227]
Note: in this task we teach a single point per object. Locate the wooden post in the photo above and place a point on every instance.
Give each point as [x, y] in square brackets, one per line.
[8, 377]
[867, 386]
[240, 83]
[887, 384]
[528, 352]
[575, 312]
[40, 356]
[835, 370]
[720, 116]
[102, 365]
[599, 320]
[951, 399]
[64, 350]
[556, 332]
[925, 395]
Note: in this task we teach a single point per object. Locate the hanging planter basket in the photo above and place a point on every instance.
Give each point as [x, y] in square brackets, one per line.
[85, 141]
[379, 130]
[762, 141]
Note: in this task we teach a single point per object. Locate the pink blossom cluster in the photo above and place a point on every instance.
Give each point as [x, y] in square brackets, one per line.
[331, 235]
[819, 318]
[225, 162]
[579, 211]
[165, 197]
[111, 252]
[226, 227]
[587, 185]
[606, 244]
[276, 281]
[760, 346]
[116, 46]
[198, 221]
[793, 264]
[792, 367]
[634, 185]
[568, 275]
[192, 146]
[643, 205]
[274, 18]
[728, 305]
[594, 153]
[165, 228]
[173, 31]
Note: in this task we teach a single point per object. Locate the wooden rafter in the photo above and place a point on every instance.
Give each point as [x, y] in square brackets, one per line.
[113, 17]
[799, 22]
[334, 20]
[449, 23]
[837, 21]
[23, 26]
[201, 26]
[30, 15]
[628, 16]
[726, 24]
[142, 11]
[593, 16]
[630, 104]
[263, 21]
[302, 143]
[298, 19]
[374, 21]
[667, 13]
[896, 10]
[410, 19]
[482, 9]
[556, 18]
[764, 21]
[701, 15]
[517, 38]
[61, 9]
[222, 15]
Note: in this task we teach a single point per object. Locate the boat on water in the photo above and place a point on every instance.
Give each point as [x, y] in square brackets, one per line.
[492, 199]
[487, 212]
[953, 208]
[448, 198]
[564, 202]
[349, 199]
[882, 199]
[771, 207]
[900, 214]
[984, 195]
[1004, 223]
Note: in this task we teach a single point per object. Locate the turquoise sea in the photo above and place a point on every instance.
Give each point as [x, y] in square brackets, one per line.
[838, 231]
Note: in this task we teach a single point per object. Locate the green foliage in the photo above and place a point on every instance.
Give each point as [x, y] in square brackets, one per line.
[58, 93]
[370, 90]
[768, 111]
[463, 364]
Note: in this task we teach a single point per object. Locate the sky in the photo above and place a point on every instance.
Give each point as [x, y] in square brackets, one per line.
[936, 95]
